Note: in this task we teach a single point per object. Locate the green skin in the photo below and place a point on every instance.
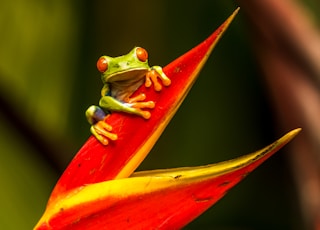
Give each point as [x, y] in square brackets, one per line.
[124, 75]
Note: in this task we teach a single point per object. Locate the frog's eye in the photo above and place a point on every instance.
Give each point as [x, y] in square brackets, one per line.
[142, 54]
[102, 64]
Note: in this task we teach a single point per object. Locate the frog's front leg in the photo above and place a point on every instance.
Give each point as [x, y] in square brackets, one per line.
[130, 105]
[153, 75]
[99, 128]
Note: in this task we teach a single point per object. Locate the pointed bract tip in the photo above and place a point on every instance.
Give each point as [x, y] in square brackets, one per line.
[290, 135]
[235, 12]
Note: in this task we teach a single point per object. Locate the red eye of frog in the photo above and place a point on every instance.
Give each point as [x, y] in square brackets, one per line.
[142, 54]
[102, 64]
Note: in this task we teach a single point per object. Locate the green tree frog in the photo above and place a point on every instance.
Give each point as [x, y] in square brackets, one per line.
[121, 77]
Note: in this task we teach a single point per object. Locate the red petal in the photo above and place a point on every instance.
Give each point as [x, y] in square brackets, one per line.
[159, 199]
[136, 136]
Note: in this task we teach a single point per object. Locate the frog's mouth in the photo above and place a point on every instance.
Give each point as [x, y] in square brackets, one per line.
[126, 76]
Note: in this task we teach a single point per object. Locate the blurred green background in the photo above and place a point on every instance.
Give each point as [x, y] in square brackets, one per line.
[48, 79]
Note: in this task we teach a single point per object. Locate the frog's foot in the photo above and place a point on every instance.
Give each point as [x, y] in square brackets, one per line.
[137, 104]
[153, 75]
[102, 131]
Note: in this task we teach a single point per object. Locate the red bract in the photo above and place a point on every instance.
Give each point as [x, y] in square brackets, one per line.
[136, 136]
[95, 192]
[158, 199]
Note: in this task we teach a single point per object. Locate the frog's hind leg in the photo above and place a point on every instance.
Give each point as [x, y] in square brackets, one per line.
[99, 128]
[102, 131]
[94, 114]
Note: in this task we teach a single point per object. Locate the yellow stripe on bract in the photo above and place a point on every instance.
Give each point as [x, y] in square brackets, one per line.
[155, 180]
[149, 181]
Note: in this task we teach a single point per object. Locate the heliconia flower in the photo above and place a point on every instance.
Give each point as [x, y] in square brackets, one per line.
[99, 190]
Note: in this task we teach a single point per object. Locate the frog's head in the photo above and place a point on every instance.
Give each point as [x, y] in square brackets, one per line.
[128, 67]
